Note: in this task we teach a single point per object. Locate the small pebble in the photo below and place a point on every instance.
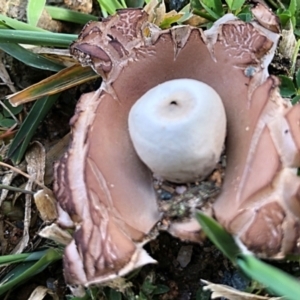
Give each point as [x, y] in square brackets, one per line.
[51, 284]
[165, 195]
[19, 224]
[180, 189]
[235, 279]
[184, 255]
[177, 4]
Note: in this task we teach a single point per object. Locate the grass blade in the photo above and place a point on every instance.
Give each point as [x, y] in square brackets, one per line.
[67, 15]
[15, 189]
[18, 25]
[235, 4]
[135, 3]
[36, 115]
[29, 58]
[58, 82]
[34, 11]
[15, 258]
[278, 281]
[36, 38]
[274, 279]
[26, 270]
[219, 236]
[214, 8]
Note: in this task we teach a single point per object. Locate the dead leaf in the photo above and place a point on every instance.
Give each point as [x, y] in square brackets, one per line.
[287, 44]
[56, 234]
[36, 161]
[220, 290]
[170, 18]
[58, 55]
[46, 205]
[7, 178]
[41, 292]
[35, 158]
[55, 153]
[156, 11]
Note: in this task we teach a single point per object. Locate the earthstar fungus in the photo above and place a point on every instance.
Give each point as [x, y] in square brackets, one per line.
[105, 191]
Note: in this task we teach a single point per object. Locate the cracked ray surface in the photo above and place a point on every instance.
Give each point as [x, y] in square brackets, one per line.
[104, 190]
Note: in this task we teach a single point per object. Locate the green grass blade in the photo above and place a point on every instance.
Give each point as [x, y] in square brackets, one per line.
[295, 55]
[34, 11]
[18, 25]
[90, 293]
[135, 3]
[278, 281]
[34, 256]
[111, 6]
[85, 297]
[15, 273]
[295, 100]
[29, 58]
[219, 236]
[203, 15]
[63, 80]
[36, 115]
[26, 270]
[213, 8]
[114, 295]
[36, 38]
[67, 15]
[297, 79]
[235, 4]
[287, 87]
[15, 258]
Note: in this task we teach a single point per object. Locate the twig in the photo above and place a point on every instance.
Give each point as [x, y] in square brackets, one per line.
[11, 114]
[23, 174]
[15, 189]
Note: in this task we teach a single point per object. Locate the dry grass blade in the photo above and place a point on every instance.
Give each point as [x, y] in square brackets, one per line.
[61, 56]
[57, 234]
[35, 158]
[41, 292]
[8, 177]
[5, 76]
[63, 80]
[220, 290]
[22, 173]
[9, 112]
[6, 181]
